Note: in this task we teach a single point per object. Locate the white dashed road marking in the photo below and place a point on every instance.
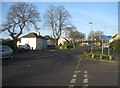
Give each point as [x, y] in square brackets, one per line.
[85, 75]
[85, 72]
[78, 63]
[73, 81]
[85, 81]
[74, 76]
[75, 71]
[28, 65]
[70, 86]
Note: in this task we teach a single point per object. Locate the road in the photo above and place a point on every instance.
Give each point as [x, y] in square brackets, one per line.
[58, 68]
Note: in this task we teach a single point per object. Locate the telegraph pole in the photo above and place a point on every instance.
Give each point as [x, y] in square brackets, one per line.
[91, 36]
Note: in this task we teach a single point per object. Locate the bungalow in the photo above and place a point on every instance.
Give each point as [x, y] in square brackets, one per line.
[50, 40]
[34, 40]
[115, 37]
[63, 41]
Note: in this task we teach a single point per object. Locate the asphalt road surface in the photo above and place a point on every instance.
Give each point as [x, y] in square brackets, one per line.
[58, 68]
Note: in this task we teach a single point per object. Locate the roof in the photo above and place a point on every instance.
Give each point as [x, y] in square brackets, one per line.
[114, 35]
[47, 37]
[32, 35]
[118, 34]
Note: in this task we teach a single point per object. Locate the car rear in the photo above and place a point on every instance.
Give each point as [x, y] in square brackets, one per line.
[6, 51]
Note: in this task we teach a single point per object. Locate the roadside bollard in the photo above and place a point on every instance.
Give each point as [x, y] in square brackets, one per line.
[100, 57]
[92, 55]
[110, 57]
[60, 47]
[65, 47]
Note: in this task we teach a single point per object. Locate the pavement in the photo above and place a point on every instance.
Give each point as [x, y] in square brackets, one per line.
[58, 68]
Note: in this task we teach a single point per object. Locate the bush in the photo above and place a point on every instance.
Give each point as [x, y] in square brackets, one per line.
[105, 57]
[97, 56]
[8, 42]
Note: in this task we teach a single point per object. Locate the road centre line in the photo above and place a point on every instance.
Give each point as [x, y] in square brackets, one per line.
[85, 80]
[85, 72]
[71, 86]
[76, 72]
[78, 63]
[73, 81]
[85, 86]
[85, 75]
[74, 76]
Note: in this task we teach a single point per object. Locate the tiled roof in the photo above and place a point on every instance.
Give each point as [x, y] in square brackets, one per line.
[32, 35]
[47, 37]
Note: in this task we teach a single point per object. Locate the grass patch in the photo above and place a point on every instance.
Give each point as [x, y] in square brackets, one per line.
[98, 57]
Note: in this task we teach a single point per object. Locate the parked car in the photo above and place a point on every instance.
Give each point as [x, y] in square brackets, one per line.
[6, 51]
[23, 47]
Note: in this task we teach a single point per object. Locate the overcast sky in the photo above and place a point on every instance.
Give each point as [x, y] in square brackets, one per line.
[103, 15]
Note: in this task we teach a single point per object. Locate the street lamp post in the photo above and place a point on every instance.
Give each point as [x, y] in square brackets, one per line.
[91, 36]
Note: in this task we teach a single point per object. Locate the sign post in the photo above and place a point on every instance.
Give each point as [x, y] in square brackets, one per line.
[102, 47]
[103, 37]
[108, 48]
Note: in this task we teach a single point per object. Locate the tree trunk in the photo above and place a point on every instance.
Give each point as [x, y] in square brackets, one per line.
[15, 50]
[56, 42]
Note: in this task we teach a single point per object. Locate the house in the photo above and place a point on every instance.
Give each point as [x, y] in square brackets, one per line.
[115, 37]
[50, 40]
[63, 41]
[34, 40]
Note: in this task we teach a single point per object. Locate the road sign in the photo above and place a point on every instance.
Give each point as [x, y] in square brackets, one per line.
[103, 37]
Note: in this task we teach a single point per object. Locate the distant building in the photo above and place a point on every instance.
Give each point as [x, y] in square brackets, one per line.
[50, 40]
[34, 40]
[63, 41]
[115, 37]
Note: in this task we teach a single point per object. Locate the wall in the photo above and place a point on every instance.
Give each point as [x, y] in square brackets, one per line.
[62, 41]
[30, 41]
[44, 44]
[39, 44]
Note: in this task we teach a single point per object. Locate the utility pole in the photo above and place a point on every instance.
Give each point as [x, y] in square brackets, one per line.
[91, 36]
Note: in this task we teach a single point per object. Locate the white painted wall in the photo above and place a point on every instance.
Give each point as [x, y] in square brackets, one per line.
[30, 41]
[62, 41]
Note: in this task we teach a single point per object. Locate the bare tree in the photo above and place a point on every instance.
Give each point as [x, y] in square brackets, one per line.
[95, 35]
[57, 19]
[74, 35]
[21, 16]
[70, 33]
[81, 36]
